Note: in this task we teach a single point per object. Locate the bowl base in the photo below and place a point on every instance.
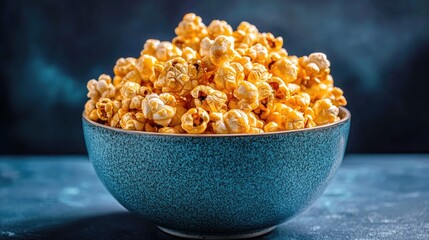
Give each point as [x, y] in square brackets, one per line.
[196, 235]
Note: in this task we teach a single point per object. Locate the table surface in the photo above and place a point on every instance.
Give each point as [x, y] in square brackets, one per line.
[371, 197]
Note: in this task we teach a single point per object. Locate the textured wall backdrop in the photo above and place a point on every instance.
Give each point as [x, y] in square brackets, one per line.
[379, 52]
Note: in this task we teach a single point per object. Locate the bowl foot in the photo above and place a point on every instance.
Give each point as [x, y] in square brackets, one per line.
[196, 235]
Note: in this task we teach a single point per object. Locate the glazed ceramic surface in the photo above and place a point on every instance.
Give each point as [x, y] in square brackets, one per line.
[217, 184]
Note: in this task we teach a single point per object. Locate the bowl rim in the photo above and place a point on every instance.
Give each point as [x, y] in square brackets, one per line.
[343, 111]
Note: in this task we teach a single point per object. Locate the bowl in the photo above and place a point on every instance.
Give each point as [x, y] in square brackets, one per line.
[217, 185]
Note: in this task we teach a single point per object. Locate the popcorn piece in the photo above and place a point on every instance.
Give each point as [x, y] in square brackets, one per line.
[281, 91]
[325, 112]
[130, 122]
[258, 73]
[195, 120]
[146, 65]
[124, 66]
[191, 26]
[270, 42]
[219, 51]
[175, 78]
[217, 28]
[106, 108]
[236, 121]
[166, 51]
[246, 33]
[155, 107]
[286, 117]
[228, 76]
[286, 69]
[258, 53]
[247, 95]
[130, 89]
[103, 88]
[209, 99]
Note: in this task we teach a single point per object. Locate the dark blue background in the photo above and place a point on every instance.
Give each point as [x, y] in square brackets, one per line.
[379, 51]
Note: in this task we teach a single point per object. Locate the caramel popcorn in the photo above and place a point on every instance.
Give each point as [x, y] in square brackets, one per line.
[216, 80]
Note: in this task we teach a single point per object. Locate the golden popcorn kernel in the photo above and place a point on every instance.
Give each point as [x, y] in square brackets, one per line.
[132, 76]
[190, 26]
[264, 90]
[286, 69]
[258, 53]
[106, 108]
[175, 78]
[145, 64]
[287, 117]
[299, 101]
[209, 99]
[294, 88]
[270, 42]
[176, 120]
[195, 120]
[150, 47]
[245, 62]
[130, 89]
[272, 127]
[217, 28]
[136, 102]
[236, 121]
[247, 95]
[338, 98]
[246, 33]
[189, 54]
[197, 72]
[166, 51]
[220, 51]
[325, 112]
[228, 76]
[320, 61]
[103, 88]
[89, 107]
[154, 108]
[124, 66]
[281, 91]
[258, 73]
[129, 122]
[254, 122]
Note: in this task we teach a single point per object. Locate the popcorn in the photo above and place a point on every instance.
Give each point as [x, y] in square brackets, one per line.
[195, 120]
[175, 78]
[247, 95]
[228, 76]
[103, 88]
[218, 51]
[214, 80]
[129, 122]
[209, 99]
[217, 28]
[156, 108]
[286, 69]
[258, 73]
[325, 112]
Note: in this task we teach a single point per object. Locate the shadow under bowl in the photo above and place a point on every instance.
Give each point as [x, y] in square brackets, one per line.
[217, 185]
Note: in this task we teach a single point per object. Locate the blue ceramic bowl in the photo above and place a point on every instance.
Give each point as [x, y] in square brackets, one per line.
[217, 186]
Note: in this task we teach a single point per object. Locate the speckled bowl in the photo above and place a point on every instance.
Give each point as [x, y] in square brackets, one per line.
[217, 186]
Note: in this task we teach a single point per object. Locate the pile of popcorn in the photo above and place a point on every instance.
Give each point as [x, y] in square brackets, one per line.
[216, 80]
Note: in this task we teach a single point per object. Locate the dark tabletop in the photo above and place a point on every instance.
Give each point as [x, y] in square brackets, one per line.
[371, 197]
